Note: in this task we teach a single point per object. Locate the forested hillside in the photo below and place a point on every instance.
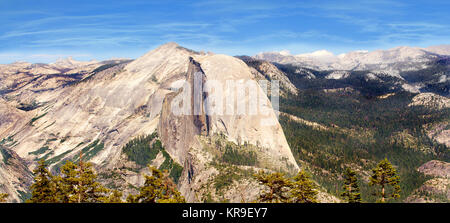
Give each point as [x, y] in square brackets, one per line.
[357, 130]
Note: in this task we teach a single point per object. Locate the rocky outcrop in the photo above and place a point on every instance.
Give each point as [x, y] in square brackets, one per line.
[430, 100]
[439, 132]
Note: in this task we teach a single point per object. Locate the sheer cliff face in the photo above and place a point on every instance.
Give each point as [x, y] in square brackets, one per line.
[117, 104]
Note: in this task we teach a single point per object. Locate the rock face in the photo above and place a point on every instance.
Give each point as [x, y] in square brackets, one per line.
[178, 132]
[108, 106]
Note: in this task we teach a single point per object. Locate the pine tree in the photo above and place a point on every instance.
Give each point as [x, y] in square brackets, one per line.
[303, 189]
[90, 191]
[114, 197]
[67, 183]
[278, 187]
[384, 175]
[158, 188]
[351, 192]
[170, 191]
[78, 184]
[44, 188]
[3, 197]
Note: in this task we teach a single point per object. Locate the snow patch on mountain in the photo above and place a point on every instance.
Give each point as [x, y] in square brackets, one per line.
[413, 88]
[372, 76]
[340, 74]
[443, 78]
[317, 54]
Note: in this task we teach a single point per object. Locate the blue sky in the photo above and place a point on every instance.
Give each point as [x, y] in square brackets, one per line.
[42, 31]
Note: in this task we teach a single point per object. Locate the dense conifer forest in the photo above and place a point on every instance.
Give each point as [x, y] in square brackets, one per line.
[360, 129]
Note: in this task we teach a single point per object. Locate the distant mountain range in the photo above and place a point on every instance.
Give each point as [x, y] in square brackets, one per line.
[393, 60]
[408, 68]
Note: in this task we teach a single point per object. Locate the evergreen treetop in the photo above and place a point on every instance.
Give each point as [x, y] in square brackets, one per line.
[385, 176]
[44, 186]
[351, 192]
[280, 189]
[304, 190]
[3, 197]
[158, 188]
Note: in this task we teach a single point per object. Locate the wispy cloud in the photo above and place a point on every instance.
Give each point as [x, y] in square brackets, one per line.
[229, 26]
[42, 56]
[418, 27]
